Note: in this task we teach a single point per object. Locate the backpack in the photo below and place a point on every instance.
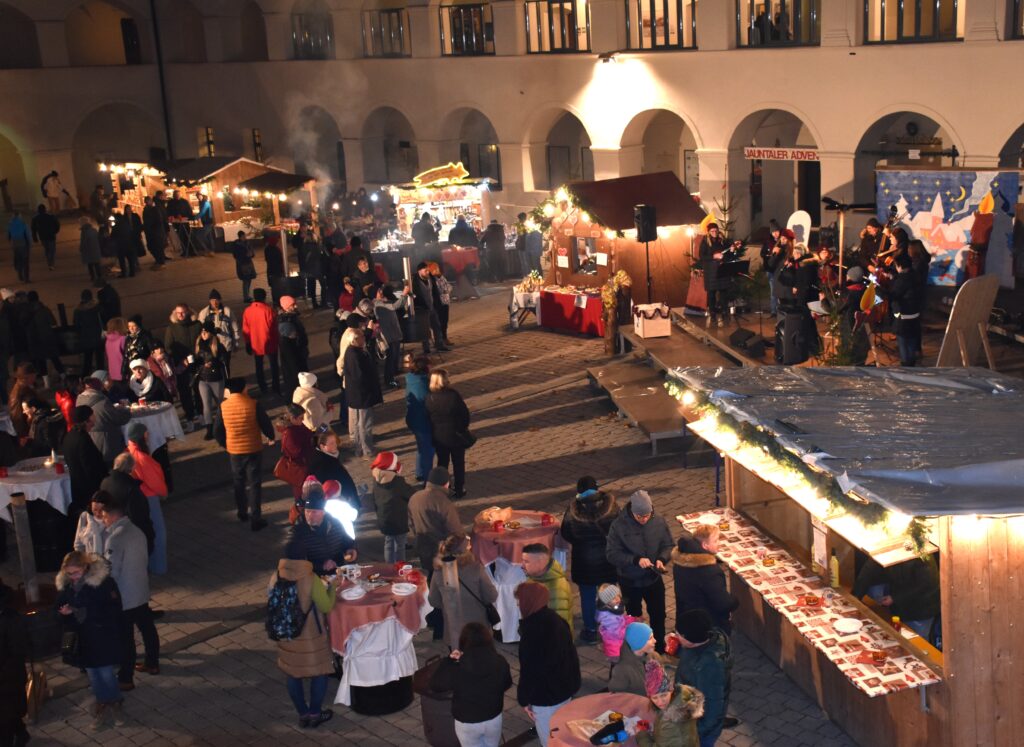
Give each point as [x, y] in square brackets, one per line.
[285, 618]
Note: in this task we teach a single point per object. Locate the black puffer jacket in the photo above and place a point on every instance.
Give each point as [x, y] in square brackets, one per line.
[585, 526]
[629, 540]
[700, 583]
[549, 667]
[448, 417]
[478, 680]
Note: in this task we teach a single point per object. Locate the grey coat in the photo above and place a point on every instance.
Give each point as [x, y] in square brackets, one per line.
[628, 673]
[457, 603]
[125, 549]
[89, 245]
[629, 541]
[387, 317]
[106, 432]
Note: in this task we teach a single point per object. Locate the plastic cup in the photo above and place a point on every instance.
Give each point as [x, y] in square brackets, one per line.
[499, 526]
[59, 466]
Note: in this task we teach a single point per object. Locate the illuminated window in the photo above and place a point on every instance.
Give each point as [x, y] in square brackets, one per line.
[466, 29]
[900, 21]
[384, 33]
[554, 26]
[778, 23]
[661, 24]
[312, 31]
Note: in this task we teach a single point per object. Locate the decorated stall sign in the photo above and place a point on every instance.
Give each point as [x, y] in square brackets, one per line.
[780, 154]
[450, 173]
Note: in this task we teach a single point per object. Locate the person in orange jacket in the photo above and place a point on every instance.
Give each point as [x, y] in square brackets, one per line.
[259, 327]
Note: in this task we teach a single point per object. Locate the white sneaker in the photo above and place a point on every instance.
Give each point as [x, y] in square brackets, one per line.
[188, 426]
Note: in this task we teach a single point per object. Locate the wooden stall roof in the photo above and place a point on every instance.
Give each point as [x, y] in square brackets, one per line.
[200, 169]
[276, 181]
[611, 200]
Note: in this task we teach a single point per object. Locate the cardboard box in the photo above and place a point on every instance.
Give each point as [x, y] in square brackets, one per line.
[652, 320]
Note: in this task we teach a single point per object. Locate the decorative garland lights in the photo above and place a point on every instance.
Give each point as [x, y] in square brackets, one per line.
[758, 450]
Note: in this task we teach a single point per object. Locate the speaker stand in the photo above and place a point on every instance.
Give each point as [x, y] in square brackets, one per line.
[647, 251]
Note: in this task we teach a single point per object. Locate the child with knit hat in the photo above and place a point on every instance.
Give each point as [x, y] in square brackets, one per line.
[612, 620]
[391, 494]
[677, 709]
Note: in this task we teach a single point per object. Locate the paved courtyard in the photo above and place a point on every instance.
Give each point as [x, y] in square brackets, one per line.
[540, 427]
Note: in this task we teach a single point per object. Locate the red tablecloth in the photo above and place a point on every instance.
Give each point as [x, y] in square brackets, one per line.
[559, 311]
[488, 544]
[592, 706]
[460, 259]
[377, 605]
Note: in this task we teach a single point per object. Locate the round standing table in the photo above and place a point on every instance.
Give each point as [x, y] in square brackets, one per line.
[590, 707]
[161, 421]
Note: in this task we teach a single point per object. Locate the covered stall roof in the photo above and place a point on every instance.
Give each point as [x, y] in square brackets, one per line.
[612, 200]
[276, 181]
[197, 170]
[923, 442]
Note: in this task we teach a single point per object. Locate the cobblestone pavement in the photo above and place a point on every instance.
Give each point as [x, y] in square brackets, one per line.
[540, 427]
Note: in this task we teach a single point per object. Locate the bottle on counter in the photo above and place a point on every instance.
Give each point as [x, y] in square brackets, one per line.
[833, 570]
[896, 623]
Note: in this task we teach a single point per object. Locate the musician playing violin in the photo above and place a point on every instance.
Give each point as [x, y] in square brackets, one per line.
[713, 250]
[828, 268]
[896, 245]
[870, 242]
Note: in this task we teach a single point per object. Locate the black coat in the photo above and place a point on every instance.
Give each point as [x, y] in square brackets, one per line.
[320, 544]
[478, 681]
[86, 468]
[157, 392]
[549, 668]
[700, 583]
[136, 347]
[110, 302]
[904, 296]
[324, 467]
[13, 653]
[98, 602]
[448, 416]
[710, 265]
[585, 526]
[127, 491]
[88, 321]
[801, 277]
[362, 385]
[423, 292]
[629, 541]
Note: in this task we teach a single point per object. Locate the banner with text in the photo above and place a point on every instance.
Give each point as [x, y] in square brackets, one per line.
[780, 154]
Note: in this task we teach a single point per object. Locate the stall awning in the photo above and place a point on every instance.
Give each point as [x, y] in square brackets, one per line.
[276, 182]
[197, 170]
[924, 442]
[612, 200]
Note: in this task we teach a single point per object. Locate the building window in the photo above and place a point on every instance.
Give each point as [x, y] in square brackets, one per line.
[489, 160]
[661, 24]
[257, 145]
[384, 33]
[903, 21]
[784, 23]
[206, 144]
[1017, 31]
[466, 30]
[312, 31]
[554, 26]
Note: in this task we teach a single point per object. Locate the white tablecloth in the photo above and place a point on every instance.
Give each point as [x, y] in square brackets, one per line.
[6, 424]
[40, 485]
[161, 421]
[506, 577]
[522, 301]
[377, 654]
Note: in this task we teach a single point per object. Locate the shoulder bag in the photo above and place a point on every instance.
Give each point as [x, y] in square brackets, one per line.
[493, 618]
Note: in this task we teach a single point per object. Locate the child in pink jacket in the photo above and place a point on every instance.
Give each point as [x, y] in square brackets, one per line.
[612, 620]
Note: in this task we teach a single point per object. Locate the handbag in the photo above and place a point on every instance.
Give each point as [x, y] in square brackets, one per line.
[289, 471]
[70, 647]
[465, 438]
[493, 618]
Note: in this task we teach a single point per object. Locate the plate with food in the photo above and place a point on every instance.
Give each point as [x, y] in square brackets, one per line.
[847, 625]
[513, 525]
[403, 589]
[353, 593]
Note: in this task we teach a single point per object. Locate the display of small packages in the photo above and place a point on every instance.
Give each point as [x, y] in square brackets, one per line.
[651, 320]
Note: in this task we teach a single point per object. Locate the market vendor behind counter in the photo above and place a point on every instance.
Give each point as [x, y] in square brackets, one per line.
[907, 592]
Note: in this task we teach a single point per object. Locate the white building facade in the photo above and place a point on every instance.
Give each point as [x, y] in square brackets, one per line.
[531, 93]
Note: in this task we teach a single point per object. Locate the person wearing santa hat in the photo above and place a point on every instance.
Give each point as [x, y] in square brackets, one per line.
[391, 494]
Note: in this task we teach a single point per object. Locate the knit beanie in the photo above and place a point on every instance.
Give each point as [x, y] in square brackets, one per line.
[637, 635]
[640, 503]
[438, 477]
[608, 592]
[656, 679]
[215, 294]
[387, 460]
[138, 363]
[307, 380]
[532, 597]
[694, 625]
[314, 497]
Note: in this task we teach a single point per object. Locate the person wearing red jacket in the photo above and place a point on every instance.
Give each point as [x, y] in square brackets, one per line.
[259, 327]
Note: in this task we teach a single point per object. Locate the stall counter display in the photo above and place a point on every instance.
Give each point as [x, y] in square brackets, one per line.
[572, 309]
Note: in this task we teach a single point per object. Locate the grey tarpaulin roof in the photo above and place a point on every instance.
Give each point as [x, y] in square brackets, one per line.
[927, 442]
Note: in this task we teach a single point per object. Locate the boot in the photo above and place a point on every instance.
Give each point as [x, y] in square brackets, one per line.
[209, 433]
[118, 710]
[99, 717]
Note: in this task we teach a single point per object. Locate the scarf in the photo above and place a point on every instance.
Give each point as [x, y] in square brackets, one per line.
[141, 388]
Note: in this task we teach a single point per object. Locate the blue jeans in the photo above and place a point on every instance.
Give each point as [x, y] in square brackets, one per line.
[588, 605]
[317, 691]
[771, 290]
[542, 719]
[394, 548]
[424, 454]
[104, 684]
[481, 734]
[158, 558]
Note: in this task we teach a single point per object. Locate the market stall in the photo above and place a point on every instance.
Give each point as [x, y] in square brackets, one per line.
[832, 474]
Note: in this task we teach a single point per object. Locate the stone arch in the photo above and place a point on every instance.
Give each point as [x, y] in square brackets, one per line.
[658, 140]
[1011, 156]
[470, 137]
[389, 147]
[559, 145]
[19, 43]
[100, 32]
[113, 131]
[14, 171]
[253, 33]
[315, 144]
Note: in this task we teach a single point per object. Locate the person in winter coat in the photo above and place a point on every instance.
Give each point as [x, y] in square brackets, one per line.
[14, 651]
[362, 393]
[21, 245]
[585, 527]
[143, 385]
[391, 494]
[423, 232]
[161, 367]
[705, 664]
[449, 428]
[43, 344]
[109, 299]
[240, 429]
[46, 427]
[88, 323]
[679, 707]
[107, 420]
[442, 300]
[127, 235]
[115, 340]
[313, 402]
[297, 445]
[699, 581]
[127, 491]
[259, 328]
[89, 248]
[417, 388]
[612, 620]
[639, 546]
[904, 297]
[773, 253]
[320, 538]
[180, 343]
[325, 464]
[274, 260]
[549, 668]
[796, 284]
[307, 656]
[154, 226]
[294, 345]
[462, 234]
[24, 389]
[432, 517]
[386, 307]
[493, 243]
[426, 309]
[125, 549]
[211, 371]
[311, 265]
[245, 268]
[908, 590]
[224, 324]
[83, 460]
[459, 587]
[478, 677]
[153, 484]
[539, 566]
[45, 227]
[627, 674]
[89, 536]
[89, 604]
[712, 247]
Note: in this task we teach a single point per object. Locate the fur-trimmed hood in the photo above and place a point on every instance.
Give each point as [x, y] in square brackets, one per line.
[464, 559]
[190, 319]
[687, 704]
[593, 507]
[96, 575]
[689, 553]
[383, 476]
